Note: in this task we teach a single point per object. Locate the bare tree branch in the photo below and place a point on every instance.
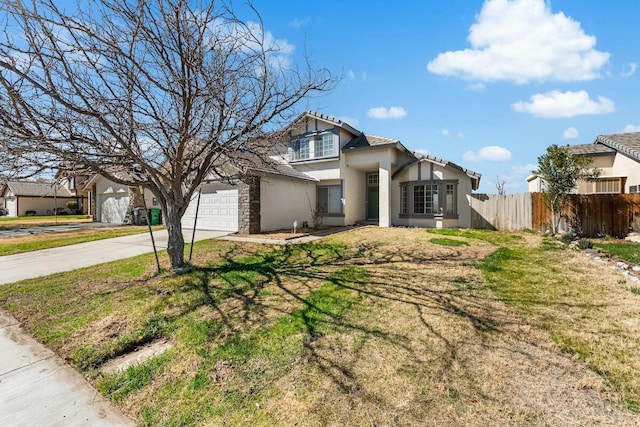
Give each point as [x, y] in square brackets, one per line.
[151, 93]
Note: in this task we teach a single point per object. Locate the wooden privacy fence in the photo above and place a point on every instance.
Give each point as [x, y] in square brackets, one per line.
[587, 215]
[508, 212]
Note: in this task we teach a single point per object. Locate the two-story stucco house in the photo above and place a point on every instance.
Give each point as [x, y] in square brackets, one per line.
[617, 156]
[332, 173]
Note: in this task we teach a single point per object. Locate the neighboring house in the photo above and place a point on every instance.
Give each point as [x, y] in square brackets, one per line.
[41, 197]
[617, 156]
[334, 174]
[110, 202]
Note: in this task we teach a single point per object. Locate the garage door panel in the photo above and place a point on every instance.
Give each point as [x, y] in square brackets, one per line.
[113, 207]
[218, 209]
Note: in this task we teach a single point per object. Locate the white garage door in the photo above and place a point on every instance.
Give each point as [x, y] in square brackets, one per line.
[113, 207]
[12, 206]
[218, 209]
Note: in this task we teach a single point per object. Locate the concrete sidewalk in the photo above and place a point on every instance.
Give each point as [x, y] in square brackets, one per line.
[48, 261]
[36, 387]
[39, 389]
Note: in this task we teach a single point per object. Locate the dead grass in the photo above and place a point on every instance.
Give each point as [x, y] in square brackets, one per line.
[371, 327]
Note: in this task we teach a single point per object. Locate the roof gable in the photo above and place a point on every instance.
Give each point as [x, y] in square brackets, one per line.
[625, 143]
[37, 189]
[325, 118]
[474, 176]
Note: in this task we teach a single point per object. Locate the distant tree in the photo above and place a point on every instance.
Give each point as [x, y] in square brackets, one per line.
[560, 172]
[146, 93]
[500, 183]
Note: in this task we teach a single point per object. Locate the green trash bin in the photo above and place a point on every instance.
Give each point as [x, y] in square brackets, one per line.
[154, 216]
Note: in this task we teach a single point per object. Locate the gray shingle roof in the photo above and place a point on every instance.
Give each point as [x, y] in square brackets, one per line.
[589, 149]
[364, 141]
[626, 143]
[37, 189]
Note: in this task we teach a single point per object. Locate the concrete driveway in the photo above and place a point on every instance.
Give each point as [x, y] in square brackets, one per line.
[48, 261]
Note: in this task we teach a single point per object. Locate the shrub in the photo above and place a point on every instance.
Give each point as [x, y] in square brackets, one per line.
[567, 238]
[72, 206]
[30, 213]
[585, 244]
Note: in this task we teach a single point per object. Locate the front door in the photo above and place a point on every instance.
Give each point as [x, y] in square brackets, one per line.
[373, 196]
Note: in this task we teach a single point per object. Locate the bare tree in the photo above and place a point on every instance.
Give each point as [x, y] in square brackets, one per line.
[500, 183]
[152, 93]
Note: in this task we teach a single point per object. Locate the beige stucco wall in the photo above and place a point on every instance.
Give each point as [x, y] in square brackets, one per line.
[624, 166]
[42, 205]
[283, 201]
[619, 166]
[439, 173]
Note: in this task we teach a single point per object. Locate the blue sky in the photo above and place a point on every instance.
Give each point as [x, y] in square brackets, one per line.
[485, 84]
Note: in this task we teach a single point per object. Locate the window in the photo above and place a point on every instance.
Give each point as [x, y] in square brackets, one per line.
[607, 186]
[634, 189]
[301, 149]
[329, 199]
[324, 145]
[418, 199]
[404, 202]
[429, 198]
[373, 179]
[321, 146]
[450, 200]
[72, 182]
[432, 201]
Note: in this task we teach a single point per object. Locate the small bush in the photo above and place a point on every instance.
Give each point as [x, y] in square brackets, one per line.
[30, 213]
[585, 244]
[567, 238]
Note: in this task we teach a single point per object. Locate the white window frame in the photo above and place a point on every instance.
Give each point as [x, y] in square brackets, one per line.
[323, 145]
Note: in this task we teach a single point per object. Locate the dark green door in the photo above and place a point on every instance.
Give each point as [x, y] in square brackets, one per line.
[373, 203]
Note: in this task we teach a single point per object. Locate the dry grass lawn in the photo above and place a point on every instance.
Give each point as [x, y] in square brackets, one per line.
[371, 327]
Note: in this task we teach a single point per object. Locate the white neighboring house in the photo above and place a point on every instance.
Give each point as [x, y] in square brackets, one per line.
[42, 198]
[334, 174]
[109, 202]
[617, 156]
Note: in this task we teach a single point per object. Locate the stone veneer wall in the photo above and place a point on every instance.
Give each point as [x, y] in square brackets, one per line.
[249, 205]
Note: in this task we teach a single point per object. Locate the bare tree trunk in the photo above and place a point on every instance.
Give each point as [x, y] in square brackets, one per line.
[175, 246]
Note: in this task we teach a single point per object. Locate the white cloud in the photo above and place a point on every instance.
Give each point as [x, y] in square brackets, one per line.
[631, 128]
[351, 75]
[492, 153]
[299, 23]
[556, 104]
[632, 70]
[523, 41]
[570, 133]
[460, 135]
[364, 77]
[384, 113]
[444, 132]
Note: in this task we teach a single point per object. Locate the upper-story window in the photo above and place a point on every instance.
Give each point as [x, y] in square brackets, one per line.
[311, 147]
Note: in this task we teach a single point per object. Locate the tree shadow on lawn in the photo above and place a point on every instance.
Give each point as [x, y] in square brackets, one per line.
[414, 302]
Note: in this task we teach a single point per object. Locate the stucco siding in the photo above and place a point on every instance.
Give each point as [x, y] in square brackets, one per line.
[283, 201]
[427, 171]
[624, 166]
[42, 205]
